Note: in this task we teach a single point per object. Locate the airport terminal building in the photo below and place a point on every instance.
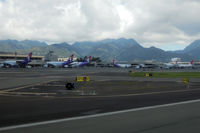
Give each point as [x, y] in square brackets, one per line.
[19, 57]
[35, 59]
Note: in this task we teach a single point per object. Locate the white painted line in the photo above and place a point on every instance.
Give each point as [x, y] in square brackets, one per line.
[128, 95]
[96, 115]
[12, 72]
[25, 86]
[27, 93]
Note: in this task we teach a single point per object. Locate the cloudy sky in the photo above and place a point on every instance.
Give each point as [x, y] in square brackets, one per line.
[166, 24]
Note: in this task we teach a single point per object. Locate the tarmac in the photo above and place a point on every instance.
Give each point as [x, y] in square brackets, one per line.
[182, 117]
[36, 95]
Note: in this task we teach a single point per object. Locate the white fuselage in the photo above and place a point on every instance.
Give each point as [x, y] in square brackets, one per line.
[76, 64]
[124, 65]
[55, 63]
[178, 65]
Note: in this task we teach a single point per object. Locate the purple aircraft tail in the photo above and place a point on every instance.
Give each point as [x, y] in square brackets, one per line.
[25, 61]
[70, 60]
[28, 58]
[114, 64]
[86, 61]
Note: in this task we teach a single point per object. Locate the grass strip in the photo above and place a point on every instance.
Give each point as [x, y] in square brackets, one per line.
[167, 74]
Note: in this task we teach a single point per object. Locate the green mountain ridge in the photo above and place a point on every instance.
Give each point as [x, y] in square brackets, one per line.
[119, 49]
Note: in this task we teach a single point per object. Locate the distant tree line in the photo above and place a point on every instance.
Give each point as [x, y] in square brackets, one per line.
[95, 59]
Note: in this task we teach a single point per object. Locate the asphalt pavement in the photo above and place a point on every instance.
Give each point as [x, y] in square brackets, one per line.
[22, 109]
[180, 117]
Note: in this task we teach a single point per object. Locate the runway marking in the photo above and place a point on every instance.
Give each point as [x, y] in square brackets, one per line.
[10, 92]
[27, 93]
[12, 72]
[22, 87]
[55, 85]
[86, 96]
[127, 95]
[96, 115]
[2, 94]
[43, 96]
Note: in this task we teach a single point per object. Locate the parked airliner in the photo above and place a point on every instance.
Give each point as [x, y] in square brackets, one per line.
[179, 64]
[60, 63]
[79, 64]
[18, 63]
[121, 65]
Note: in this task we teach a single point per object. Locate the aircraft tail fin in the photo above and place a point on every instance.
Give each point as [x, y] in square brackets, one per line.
[192, 61]
[113, 62]
[71, 57]
[28, 58]
[70, 60]
[89, 59]
[25, 61]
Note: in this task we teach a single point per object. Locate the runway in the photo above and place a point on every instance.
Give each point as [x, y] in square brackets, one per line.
[30, 101]
[181, 117]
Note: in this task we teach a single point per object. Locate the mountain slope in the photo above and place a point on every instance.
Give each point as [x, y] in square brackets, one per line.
[151, 53]
[193, 46]
[62, 50]
[14, 45]
[119, 49]
[85, 48]
[129, 50]
[193, 49]
[112, 49]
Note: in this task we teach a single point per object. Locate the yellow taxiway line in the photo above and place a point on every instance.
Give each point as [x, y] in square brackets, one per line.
[24, 94]
[11, 92]
[27, 93]
[12, 72]
[19, 88]
[10, 95]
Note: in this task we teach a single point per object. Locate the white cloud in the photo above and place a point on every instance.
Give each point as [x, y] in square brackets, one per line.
[126, 17]
[150, 22]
